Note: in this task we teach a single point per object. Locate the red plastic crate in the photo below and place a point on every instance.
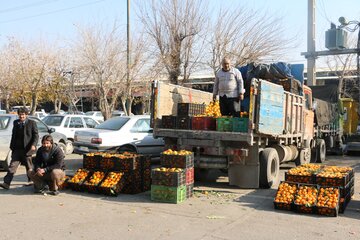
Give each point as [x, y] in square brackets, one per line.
[203, 123]
[189, 175]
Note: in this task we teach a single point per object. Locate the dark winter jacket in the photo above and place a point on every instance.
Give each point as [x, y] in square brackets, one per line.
[30, 135]
[54, 161]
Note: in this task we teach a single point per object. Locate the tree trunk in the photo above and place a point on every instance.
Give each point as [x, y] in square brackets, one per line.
[34, 102]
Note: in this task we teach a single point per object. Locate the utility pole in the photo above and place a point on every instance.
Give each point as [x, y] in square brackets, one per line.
[311, 60]
[128, 56]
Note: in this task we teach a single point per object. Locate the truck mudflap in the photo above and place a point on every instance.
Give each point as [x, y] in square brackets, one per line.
[244, 169]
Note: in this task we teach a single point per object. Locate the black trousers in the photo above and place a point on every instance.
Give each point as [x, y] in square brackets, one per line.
[229, 106]
[18, 157]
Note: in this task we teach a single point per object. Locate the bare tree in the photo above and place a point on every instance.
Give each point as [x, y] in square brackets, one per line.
[7, 74]
[243, 35]
[29, 64]
[344, 67]
[57, 83]
[174, 26]
[100, 53]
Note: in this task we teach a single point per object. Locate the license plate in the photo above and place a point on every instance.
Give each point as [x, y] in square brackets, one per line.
[85, 149]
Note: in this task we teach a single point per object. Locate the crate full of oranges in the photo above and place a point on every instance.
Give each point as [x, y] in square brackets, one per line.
[78, 179]
[177, 159]
[92, 183]
[334, 176]
[285, 196]
[306, 198]
[112, 184]
[328, 201]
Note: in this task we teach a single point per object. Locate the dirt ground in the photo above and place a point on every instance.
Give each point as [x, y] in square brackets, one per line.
[217, 211]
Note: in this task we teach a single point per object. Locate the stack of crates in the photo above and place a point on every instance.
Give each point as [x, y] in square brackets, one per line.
[232, 124]
[174, 181]
[333, 187]
[134, 169]
[185, 112]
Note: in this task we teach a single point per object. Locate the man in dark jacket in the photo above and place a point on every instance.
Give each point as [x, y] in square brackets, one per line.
[48, 167]
[23, 143]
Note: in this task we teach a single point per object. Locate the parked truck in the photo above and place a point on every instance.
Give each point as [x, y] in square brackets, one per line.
[328, 118]
[280, 129]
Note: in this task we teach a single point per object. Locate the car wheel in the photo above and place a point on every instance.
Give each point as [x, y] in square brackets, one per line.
[127, 149]
[62, 146]
[69, 147]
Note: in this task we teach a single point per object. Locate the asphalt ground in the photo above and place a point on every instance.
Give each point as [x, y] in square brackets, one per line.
[217, 211]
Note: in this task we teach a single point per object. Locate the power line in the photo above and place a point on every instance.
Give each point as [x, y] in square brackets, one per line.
[48, 13]
[12, 9]
[322, 11]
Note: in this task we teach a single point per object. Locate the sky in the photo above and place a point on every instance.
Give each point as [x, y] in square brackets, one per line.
[58, 19]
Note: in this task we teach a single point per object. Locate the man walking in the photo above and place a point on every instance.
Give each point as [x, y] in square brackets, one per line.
[23, 143]
[229, 85]
[48, 167]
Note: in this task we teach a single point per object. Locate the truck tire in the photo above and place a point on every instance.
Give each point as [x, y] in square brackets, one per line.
[320, 151]
[303, 157]
[269, 168]
[329, 140]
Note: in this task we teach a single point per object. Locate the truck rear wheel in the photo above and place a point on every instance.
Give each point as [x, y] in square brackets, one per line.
[269, 168]
[329, 141]
[320, 151]
[303, 157]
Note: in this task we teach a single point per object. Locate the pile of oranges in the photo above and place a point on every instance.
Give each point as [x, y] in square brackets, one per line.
[305, 170]
[306, 195]
[96, 178]
[213, 109]
[286, 193]
[79, 176]
[174, 152]
[328, 197]
[112, 179]
[334, 172]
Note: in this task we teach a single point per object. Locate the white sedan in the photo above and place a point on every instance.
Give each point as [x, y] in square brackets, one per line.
[126, 133]
[68, 124]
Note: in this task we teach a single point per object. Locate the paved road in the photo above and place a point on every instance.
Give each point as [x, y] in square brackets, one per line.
[216, 212]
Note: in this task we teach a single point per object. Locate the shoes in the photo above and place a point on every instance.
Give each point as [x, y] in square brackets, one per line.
[55, 193]
[5, 186]
[28, 184]
[41, 190]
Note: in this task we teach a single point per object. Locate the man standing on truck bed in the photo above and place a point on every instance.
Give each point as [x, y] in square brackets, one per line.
[229, 85]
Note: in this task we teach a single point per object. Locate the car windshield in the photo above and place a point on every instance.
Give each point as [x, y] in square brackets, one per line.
[113, 123]
[53, 120]
[4, 122]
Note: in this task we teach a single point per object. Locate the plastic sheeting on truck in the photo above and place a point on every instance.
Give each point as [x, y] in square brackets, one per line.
[325, 112]
[328, 92]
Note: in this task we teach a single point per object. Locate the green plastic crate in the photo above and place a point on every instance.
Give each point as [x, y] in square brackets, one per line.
[240, 124]
[168, 194]
[224, 124]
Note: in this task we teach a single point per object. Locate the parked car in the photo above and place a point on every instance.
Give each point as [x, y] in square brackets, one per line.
[40, 114]
[6, 125]
[118, 113]
[96, 115]
[67, 124]
[126, 133]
